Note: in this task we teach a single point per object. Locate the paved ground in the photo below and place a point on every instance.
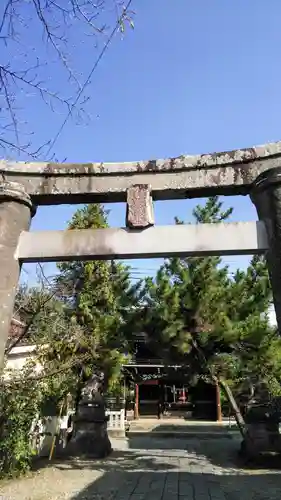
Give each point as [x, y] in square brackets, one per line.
[180, 427]
[147, 468]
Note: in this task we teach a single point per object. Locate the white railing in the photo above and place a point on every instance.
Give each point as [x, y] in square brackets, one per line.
[44, 429]
[116, 420]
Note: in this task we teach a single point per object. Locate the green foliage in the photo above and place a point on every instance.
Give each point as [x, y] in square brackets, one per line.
[194, 313]
[17, 412]
[198, 315]
[99, 296]
[78, 323]
[20, 403]
[24, 394]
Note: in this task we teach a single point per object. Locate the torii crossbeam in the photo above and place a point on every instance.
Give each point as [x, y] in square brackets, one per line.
[24, 186]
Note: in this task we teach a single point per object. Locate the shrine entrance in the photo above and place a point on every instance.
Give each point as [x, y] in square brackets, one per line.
[178, 401]
[24, 186]
[162, 393]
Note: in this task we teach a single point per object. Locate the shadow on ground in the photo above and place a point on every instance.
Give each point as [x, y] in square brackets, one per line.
[189, 431]
[220, 445]
[169, 475]
[219, 450]
[181, 485]
[216, 445]
[157, 468]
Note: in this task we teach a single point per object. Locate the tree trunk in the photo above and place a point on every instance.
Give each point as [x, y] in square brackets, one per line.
[79, 388]
[236, 412]
[136, 406]
[218, 403]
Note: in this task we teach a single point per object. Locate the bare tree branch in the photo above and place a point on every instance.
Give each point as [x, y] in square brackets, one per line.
[59, 22]
[28, 325]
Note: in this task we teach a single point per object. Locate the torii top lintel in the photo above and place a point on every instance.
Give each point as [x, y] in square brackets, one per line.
[231, 172]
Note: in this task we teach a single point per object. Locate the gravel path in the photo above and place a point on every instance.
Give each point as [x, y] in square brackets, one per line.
[152, 469]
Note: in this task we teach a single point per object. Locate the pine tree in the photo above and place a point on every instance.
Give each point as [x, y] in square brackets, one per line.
[215, 325]
[185, 294]
[98, 296]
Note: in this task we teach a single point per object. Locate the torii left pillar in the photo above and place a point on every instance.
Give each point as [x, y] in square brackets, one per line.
[15, 216]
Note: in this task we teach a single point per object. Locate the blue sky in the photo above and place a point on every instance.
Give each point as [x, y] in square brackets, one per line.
[193, 77]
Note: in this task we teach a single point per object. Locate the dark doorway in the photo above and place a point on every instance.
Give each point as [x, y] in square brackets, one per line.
[203, 398]
[149, 394]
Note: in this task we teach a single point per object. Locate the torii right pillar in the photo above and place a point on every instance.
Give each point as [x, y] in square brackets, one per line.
[266, 195]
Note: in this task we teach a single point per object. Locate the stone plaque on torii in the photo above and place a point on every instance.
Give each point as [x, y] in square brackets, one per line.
[24, 186]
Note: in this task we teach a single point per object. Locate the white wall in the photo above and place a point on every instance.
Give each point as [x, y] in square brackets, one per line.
[272, 316]
[18, 357]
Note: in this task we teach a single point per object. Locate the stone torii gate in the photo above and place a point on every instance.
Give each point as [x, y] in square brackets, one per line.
[24, 186]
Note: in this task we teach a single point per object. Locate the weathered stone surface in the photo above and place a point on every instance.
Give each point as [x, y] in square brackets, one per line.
[266, 195]
[181, 162]
[185, 176]
[15, 192]
[90, 436]
[139, 207]
[88, 412]
[15, 216]
[260, 438]
[90, 439]
[244, 238]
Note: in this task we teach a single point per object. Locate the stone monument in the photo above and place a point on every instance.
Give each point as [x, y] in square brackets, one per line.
[90, 437]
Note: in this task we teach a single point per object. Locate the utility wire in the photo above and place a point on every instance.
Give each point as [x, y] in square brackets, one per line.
[115, 29]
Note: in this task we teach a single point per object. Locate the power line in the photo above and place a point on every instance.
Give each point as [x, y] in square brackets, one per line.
[119, 21]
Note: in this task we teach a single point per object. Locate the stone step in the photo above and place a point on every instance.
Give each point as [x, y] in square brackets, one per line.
[181, 434]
